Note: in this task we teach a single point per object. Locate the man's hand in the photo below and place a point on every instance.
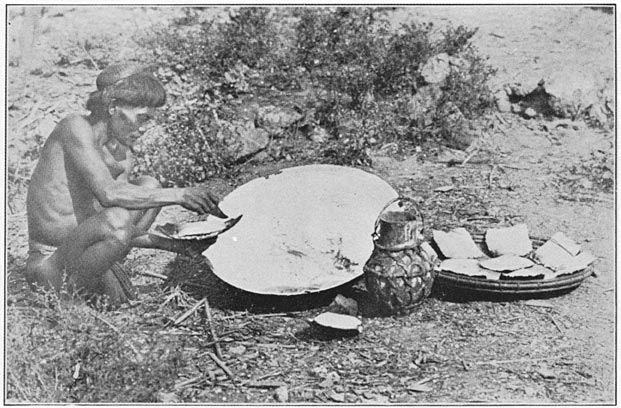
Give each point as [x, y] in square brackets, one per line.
[201, 201]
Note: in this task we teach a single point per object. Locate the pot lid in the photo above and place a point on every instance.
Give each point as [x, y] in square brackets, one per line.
[305, 229]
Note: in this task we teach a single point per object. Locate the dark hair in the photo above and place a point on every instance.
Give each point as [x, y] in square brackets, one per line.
[140, 89]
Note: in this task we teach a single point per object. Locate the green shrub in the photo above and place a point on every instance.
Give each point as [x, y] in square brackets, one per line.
[361, 72]
[407, 50]
[467, 88]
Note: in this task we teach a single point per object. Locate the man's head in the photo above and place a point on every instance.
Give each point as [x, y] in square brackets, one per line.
[126, 95]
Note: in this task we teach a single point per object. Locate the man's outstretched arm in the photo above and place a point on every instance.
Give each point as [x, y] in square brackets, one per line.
[80, 149]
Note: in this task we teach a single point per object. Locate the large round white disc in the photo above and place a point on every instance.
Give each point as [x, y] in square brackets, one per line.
[299, 229]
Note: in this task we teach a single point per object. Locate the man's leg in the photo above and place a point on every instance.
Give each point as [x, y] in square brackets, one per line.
[86, 256]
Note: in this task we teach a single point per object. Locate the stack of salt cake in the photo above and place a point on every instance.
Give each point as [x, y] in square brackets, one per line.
[511, 255]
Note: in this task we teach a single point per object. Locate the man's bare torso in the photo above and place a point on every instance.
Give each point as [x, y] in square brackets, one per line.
[58, 196]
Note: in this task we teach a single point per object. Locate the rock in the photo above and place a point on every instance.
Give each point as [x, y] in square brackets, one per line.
[436, 69]
[343, 305]
[330, 379]
[572, 86]
[502, 101]
[597, 113]
[319, 135]
[237, 350]
[530, 113]
[421, 106]
[281, 394]
[168, 397]
[275, 120]
[244, 139]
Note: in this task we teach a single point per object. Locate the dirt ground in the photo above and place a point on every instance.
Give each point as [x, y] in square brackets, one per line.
[564, 352]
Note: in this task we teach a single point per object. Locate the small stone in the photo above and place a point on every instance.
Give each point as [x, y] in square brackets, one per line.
[319, 135]
[331, 379]
[436, 69]
[337, 396]
[502, 102]
[281, 394]
[343, 305]
[596, 112]
[530, 113]
[168, 397]
[237, 350]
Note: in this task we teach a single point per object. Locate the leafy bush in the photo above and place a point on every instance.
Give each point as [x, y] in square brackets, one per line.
[362, 75]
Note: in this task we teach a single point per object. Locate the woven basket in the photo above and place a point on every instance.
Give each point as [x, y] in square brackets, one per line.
[522, 287]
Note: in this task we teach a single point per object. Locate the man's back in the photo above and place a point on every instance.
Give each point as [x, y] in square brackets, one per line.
[56, 193]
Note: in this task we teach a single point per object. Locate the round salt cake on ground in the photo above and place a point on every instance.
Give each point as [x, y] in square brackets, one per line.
[304, 230]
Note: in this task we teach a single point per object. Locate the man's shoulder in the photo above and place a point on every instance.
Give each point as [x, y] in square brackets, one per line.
[74, 125]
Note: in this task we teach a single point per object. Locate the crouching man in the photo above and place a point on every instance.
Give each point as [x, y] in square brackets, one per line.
[85, 213]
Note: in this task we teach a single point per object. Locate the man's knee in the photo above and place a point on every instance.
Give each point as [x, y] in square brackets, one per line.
[147, 181]
[118, 224]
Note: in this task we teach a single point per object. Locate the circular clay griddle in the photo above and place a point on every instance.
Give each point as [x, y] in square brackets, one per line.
[303, 230]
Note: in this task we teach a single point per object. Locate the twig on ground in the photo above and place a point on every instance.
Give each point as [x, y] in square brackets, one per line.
[519, 360]
[470, 156]
[556, 324]
[273, 374]
[190, 381]
[28, 118]
[153, 275]
[584, 197]
[490, 176]
[212, 330]
[18, 385]
[88, 54]
[501, 119]
[189, 312]
[267, 384]
[510, 166]
[223, 366]
[117, 331]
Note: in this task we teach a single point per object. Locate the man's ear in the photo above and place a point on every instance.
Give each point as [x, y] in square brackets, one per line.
[111, 109]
